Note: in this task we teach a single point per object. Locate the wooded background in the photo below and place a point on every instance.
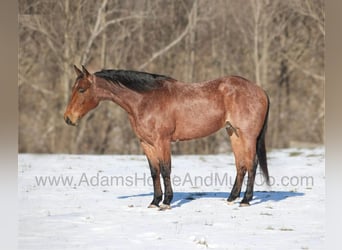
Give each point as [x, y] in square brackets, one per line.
[278, 44]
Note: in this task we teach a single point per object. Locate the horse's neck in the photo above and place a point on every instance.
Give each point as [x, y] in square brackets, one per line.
[121, 96]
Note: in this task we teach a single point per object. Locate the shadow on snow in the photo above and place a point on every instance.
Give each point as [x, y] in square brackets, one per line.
[181, 198]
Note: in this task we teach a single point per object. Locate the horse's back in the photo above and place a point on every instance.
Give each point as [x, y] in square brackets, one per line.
[240, 86]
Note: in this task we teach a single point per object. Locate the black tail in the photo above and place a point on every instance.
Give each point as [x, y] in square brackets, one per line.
[261, 148]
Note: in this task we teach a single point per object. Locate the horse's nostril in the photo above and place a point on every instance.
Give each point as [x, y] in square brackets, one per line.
[68, 121]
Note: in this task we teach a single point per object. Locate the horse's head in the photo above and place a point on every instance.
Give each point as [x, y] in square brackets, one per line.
[83, 97]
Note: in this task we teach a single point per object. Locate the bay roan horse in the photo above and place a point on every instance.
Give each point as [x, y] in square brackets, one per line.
[162, 110]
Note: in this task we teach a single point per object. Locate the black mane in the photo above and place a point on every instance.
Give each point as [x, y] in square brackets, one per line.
[134, 80]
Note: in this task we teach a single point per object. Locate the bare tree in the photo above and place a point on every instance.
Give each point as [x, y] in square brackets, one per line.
[277, 44]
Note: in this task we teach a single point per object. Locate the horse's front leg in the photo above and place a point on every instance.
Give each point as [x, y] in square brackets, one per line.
[157, 191]
[165, 167]
[159, 158]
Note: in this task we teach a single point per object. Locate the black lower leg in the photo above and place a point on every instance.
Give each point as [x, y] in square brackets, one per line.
[236, 190]
[158, 194]
[250, 186]
[166, 172]
[235, 193]
[157, 197]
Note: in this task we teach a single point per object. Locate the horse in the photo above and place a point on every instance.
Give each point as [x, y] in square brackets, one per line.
[162, 110]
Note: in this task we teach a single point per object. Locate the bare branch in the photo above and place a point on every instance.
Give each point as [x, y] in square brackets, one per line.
[34, 23]
[166, 48]
[94, 31]
[307, 8]
[101, 26]
[36, 88]
[305, 71]
[171, 44]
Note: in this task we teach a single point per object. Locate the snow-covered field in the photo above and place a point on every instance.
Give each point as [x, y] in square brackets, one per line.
[100, 202]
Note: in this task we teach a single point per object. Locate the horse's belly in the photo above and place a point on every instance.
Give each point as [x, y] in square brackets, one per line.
[193, 127]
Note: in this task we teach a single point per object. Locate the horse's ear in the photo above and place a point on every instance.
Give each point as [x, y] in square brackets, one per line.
[85, 71]
[78, 71]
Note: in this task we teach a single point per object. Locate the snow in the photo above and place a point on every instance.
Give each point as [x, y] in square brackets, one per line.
[104, 204]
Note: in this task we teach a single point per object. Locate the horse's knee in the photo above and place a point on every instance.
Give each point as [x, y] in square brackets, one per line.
[154, 172]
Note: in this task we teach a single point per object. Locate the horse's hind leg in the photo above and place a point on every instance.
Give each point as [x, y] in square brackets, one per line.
[244, 152]
[236, 190]
[238, 148]
[250, 185]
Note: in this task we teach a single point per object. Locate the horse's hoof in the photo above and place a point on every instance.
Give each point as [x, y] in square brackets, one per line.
[244, 204]
[164, 207]
[231, 202]
[152, 206]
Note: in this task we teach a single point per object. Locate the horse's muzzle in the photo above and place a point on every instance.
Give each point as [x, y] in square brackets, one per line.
[68, 121]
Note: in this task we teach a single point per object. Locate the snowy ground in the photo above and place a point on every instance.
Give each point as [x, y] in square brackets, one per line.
[103, 201]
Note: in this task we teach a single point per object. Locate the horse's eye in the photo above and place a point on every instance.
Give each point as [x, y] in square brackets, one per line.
[81, 90]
